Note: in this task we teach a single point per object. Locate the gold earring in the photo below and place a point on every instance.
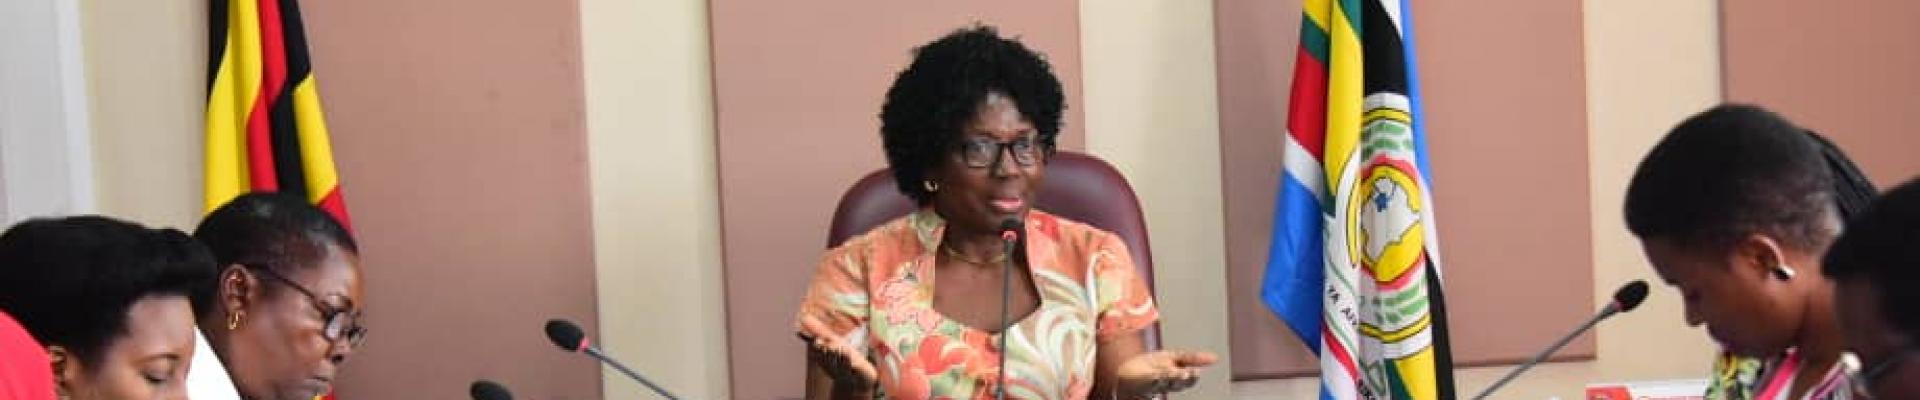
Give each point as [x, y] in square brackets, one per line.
[233, 319]
[931, 186]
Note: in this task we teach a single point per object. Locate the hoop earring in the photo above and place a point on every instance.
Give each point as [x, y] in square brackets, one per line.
[931, 186]
[233, 320]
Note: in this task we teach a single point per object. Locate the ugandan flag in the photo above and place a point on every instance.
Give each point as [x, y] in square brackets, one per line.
[1354, 266]
[265, 130]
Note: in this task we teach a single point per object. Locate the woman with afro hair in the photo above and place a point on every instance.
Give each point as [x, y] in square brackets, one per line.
[913, 309]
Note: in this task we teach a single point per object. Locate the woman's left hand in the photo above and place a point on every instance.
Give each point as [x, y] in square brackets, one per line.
[1159, 372]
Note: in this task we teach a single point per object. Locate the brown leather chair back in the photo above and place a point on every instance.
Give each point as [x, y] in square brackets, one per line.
[1078, 187]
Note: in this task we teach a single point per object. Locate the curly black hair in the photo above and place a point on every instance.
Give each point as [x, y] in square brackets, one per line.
[1738, 169]
[69, 281]
[932, 100]
[270, 230]
[1881, 248]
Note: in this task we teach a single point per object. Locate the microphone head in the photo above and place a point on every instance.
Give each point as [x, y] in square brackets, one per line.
[487, 390]
[1630, 296]
[565, 334]
[1010, 229]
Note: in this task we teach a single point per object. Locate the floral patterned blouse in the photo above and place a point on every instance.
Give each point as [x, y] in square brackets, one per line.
[1746, 378]
[877, 291]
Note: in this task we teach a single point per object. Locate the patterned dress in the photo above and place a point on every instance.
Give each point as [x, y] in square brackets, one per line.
[877, 291]
[1746, 378]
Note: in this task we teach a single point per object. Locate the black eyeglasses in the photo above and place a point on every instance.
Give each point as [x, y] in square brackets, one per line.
[1862, 378]
[979, 152]
[340, 323]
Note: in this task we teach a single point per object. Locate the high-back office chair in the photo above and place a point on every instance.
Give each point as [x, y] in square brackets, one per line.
[1078, 187]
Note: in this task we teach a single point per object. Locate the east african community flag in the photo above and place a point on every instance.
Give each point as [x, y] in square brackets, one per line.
[1354, 267]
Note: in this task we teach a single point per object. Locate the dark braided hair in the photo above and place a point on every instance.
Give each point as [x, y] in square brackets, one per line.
[1852, 192]
[1738, 169]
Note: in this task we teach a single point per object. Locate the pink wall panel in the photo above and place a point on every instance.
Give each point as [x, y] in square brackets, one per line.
[459, 132]
[1844, 68]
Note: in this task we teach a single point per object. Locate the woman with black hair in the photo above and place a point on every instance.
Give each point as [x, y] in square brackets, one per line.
[285, 312]
[1875, 267]
[1734, 207]
[109, 300]
[913, 309]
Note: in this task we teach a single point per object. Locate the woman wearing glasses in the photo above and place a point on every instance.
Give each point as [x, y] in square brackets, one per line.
[110, 302]
[913, 309]
[1734, 208]
[285, 312]
[1875, 268]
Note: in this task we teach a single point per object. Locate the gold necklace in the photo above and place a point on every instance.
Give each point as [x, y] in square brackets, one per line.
[975, 261]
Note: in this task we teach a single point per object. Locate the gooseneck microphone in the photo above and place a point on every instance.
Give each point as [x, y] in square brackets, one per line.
[1010, 230]
[1624, 300]
[569, 337]
[487, 390]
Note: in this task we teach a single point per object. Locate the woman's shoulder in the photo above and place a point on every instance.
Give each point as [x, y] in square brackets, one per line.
[899, 236]
[1071, 233]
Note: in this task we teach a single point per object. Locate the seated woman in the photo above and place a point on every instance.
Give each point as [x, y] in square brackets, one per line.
[913, 309]
[1875, 267]
[285, 313]
[109, 300]
[1734, 208]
